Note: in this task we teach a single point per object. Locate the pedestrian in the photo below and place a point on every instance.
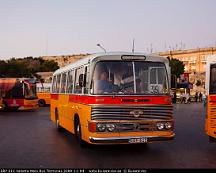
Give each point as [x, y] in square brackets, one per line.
[183, 98]
[200, 97]
[174, 97]
[196, 96]
[204, 99]
[187, 99]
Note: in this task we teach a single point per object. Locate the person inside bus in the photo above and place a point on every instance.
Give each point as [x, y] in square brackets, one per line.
[103, 85]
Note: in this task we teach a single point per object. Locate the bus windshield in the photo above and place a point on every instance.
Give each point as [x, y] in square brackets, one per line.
[130, 78]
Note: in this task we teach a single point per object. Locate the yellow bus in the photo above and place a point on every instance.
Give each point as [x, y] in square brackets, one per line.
[43, 93]
[18, 93]
[114, 98]
[210, 121]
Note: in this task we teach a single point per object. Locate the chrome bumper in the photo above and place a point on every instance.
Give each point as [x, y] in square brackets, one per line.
[119, 140]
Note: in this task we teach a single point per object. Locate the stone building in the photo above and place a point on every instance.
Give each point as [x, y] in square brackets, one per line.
[195, 63]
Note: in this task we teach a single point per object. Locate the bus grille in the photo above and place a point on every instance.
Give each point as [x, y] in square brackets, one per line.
[144, 112]
[213, 115]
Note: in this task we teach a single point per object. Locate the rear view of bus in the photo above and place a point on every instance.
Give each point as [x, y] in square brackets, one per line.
[18, 94]
[114, 98]
[210, 123]
[43, 93]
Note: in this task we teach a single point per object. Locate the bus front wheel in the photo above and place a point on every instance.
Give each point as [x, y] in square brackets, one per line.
[78, 133]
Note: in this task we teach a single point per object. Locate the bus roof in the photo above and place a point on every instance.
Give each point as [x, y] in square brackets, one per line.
[109, 56]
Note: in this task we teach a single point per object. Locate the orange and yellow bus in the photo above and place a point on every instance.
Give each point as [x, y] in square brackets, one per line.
[18, 93]
[210, 121]
[114, 98]
[43, 93]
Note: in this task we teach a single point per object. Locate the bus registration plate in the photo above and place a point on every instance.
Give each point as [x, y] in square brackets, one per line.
[137, 140]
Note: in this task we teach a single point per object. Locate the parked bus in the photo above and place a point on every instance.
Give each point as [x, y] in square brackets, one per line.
[114, 98]
[43, 93]
[210, 121]
[18, 93]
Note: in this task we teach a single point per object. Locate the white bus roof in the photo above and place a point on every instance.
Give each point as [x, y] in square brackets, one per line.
[109, 56]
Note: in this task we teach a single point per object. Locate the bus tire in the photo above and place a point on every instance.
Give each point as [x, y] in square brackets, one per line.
[41, 103]
[58, 127]
[78, 132]
[212, 139]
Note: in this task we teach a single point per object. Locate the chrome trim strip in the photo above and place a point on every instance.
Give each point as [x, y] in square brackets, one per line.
[126, 139]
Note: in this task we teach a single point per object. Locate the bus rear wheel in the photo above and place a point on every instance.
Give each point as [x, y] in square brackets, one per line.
[41, 103]
[78, 133]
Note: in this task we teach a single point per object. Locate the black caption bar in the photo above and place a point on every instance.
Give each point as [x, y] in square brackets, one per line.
[126, 170]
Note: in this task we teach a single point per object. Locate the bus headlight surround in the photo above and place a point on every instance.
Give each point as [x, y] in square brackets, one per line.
[101, 127]
[160, 126]
[168, 125]
[110, 127]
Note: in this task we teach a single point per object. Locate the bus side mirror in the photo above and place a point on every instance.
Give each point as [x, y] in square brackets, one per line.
[82, 80]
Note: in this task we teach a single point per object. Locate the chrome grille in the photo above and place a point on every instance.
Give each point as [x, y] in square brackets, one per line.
[148, 112]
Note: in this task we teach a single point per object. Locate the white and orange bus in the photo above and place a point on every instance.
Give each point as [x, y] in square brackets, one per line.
[18, 93]
[43, 93]
[114, 98]
[210, 121]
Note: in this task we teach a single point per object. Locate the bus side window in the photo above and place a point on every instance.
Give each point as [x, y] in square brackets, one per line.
[86, 80]
[70, 82]
[63, 83]
[78, 88]
[54, 85]
[58, 83]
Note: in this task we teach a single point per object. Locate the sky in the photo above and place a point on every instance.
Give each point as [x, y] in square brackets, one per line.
[65, 27]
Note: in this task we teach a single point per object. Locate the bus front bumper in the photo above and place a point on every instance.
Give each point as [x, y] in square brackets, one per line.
[130, 139]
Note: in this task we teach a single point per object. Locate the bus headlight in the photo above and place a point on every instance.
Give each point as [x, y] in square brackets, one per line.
[168, 125]
[160, 126]
[110, 127]
[101, 127]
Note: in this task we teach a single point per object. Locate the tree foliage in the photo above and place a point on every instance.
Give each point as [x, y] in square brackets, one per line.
[26, 67]
[198, 83]
[177, 67]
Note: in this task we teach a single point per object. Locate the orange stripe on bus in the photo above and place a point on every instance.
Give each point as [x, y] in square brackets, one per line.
[54, 96]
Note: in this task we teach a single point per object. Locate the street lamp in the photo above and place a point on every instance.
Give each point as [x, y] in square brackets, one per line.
[101, 47]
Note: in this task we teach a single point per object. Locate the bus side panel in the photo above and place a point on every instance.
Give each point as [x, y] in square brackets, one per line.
[44, 96]
[53, 106]
[211, 116]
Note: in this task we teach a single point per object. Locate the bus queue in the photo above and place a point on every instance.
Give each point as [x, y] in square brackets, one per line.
[110, 98]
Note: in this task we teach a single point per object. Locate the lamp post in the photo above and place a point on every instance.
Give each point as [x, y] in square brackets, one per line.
[101, 47]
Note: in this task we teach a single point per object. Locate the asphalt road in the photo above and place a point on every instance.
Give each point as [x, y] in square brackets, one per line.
[30, 140]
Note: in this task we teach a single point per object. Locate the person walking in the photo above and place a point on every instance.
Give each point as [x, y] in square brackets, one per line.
[200, 97]
[196, 96]
[204, 99]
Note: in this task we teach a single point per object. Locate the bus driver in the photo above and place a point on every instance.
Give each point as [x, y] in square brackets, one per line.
[103, 85]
